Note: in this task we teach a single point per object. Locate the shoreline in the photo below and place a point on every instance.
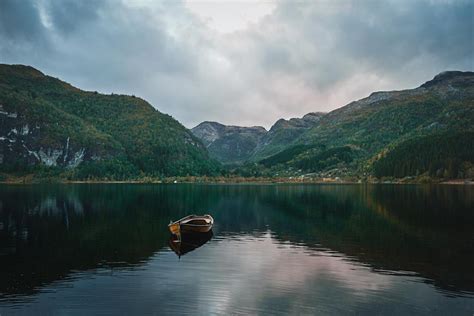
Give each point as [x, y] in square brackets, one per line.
[28, 179]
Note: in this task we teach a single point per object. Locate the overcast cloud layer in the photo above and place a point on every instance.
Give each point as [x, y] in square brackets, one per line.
[242, 63]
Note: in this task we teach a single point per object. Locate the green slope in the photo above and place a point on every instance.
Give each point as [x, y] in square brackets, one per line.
[349, 140]
[448, 155]
[282, 133]
[109, 131]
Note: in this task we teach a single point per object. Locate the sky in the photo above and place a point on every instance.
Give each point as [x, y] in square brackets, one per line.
[240, 62]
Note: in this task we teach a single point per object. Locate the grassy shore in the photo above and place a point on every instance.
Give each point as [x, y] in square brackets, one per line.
[31, 179]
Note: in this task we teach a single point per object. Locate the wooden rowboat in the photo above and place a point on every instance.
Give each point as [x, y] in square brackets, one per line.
[192, 224]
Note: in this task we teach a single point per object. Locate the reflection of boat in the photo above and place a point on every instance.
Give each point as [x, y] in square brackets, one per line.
[188, 242]
[192, 224]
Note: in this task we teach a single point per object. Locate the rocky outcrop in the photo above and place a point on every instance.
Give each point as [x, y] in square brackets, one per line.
[306, 121]
[283, 133]
[229, 144]
[236, 144]
[23, 143]
[208, 132]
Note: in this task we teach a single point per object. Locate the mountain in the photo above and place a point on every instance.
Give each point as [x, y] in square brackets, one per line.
[361, 137]
[423, 131]
[48, 127]
[47, 122]
[236, 145]
[229, 144]
[282, 133]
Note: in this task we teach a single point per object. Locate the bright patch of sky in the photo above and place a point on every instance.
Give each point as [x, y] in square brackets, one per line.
[227, 16]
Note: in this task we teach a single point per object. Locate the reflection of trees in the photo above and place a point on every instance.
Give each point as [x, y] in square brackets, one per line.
[424, 229]
[48, 232]
[45, 232]
[391, 228]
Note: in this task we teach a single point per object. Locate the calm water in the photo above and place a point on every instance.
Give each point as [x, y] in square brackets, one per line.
[275, 249]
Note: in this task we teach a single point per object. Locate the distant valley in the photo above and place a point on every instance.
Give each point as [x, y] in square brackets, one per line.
[423, 131]
[237, 145]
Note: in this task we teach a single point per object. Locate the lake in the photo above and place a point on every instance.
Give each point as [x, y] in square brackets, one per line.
[275, 249]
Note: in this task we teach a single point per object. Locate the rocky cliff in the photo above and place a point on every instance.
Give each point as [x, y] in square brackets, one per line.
[237, 145]
[229, 144]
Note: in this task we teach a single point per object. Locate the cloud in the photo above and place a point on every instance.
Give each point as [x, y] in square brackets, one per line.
[279, 59]
[20, 29]
[19, 20]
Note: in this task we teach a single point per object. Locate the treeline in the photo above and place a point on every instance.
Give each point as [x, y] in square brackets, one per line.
[331, 157]
[311, 158]
[285, 155]
[444, 155]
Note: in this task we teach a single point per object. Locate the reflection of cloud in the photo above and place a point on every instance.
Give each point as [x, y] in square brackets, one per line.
[262, 267]
[243, 275]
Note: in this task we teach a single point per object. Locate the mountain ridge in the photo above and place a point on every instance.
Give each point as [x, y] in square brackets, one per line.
[219, 139]
[351, 139]
[48, 122]
[235, 145]
[49, 126]
[372, 126]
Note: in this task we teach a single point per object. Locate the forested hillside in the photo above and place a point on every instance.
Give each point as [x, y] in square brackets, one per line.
[45, 122]
[50, 128]
[434, 121]
[443, 155]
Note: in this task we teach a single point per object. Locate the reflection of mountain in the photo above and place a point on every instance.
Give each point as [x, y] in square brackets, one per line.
[46, 232]
[391, 228]
[49, 232]
[427, 230]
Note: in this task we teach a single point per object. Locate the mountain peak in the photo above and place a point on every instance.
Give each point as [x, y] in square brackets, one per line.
[221, 127]
[306, 121]
[449, 76]
[209, 123]
[314, 114]
[20, 69]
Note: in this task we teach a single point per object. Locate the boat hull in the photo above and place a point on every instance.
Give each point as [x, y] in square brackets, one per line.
[194, 229]
[192, 224]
